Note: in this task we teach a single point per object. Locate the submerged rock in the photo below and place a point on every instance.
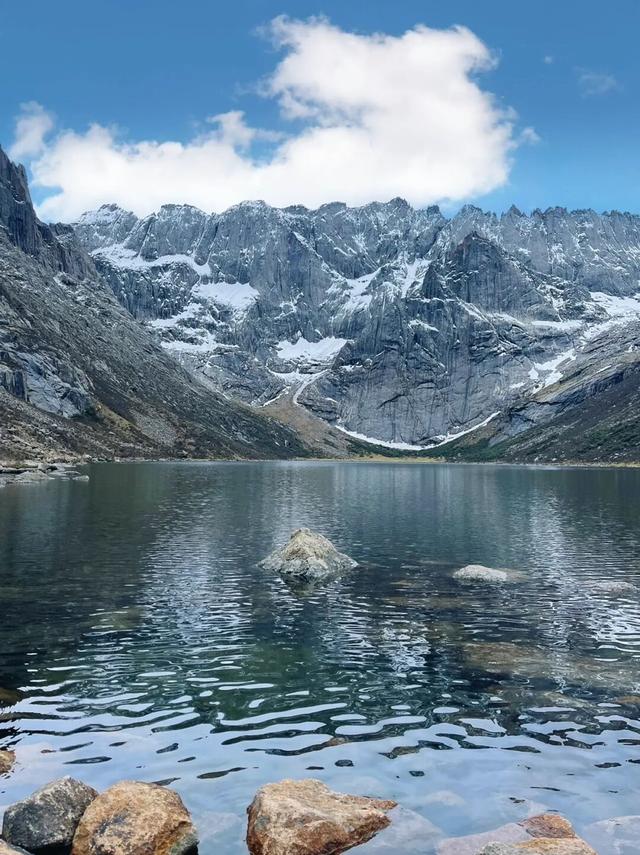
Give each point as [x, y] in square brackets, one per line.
[7, 759]
[307, 818]
[613, 586]
[479, 573]
[307, 557]
[9, 697]
[619, 834]
[131, 818]
[541, 846]
[47, 820]
[546, 833]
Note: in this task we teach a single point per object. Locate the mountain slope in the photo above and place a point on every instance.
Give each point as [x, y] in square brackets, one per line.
[388, 323]
[591, 414]
[79, 374]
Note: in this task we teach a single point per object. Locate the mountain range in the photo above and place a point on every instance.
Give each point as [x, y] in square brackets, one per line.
[272, 332]
[79, 375]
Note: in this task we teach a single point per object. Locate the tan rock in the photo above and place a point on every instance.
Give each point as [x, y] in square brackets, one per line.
[307, 557]
[132, 818]
[7, 759]
[548, 825]
[307, 818]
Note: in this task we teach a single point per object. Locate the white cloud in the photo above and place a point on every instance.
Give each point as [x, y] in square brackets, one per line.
[373, 116]
[595, 82]
[529, 136]
[32, 126]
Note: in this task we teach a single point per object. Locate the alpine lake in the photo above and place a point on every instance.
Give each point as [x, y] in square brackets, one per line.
[139, 639]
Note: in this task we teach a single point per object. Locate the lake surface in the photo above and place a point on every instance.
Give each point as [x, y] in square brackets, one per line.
[145, 643]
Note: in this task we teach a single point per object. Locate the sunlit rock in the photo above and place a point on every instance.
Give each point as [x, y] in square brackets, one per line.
[307, 557]
[131, 818]
[47, 820]
[7, 759]
[307, 818]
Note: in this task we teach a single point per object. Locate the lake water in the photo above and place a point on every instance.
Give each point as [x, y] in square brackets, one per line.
[145, 643]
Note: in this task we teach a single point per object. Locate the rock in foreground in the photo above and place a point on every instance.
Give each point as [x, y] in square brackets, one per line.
[307, 818]
[479, 573]
[132, 818]
[47, 820]
[308, 557]
[7, 759]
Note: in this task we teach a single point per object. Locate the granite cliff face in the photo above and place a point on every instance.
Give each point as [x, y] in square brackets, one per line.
[391, 323]
[79, 374]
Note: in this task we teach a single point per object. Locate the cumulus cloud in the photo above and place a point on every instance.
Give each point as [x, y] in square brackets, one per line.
[369, 117]
[32, 126]
[595, 82]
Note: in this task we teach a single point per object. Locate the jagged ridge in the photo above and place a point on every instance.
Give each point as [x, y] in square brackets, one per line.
[79, 374]
[393, 323]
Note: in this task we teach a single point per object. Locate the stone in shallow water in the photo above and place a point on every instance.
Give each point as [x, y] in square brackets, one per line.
[307, 818]
[409, 833]
[613, 586]
[540, 846]
[47, 820]
[545, 833]
[132, 818]
[479, 573]
[307, 557]
[7, 759]
[619, 835]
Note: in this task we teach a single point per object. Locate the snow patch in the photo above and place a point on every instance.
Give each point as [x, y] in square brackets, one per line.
[240, 296]
[129, 259]
[550, 368]
[399, 446]
[310, 352]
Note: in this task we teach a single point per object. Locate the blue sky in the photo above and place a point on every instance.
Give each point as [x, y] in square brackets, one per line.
[569, 69]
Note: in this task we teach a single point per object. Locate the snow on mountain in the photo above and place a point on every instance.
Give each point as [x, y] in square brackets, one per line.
[395, 324]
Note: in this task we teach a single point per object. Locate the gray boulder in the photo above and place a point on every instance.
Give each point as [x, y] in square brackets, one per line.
[46, 821]
[308, 557]
[479, 573]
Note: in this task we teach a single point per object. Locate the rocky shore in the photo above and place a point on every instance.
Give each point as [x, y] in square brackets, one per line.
[290, 817]
[38, 472]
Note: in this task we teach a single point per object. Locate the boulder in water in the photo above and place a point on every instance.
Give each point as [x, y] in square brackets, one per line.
[131, 818]
[307, 818]
[479, 573]
[47, 820]
[308, 557]
[7, 759]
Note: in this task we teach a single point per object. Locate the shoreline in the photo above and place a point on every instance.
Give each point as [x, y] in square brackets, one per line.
[36, 472]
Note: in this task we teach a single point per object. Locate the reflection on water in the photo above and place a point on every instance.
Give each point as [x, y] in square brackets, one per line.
[144, 642]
